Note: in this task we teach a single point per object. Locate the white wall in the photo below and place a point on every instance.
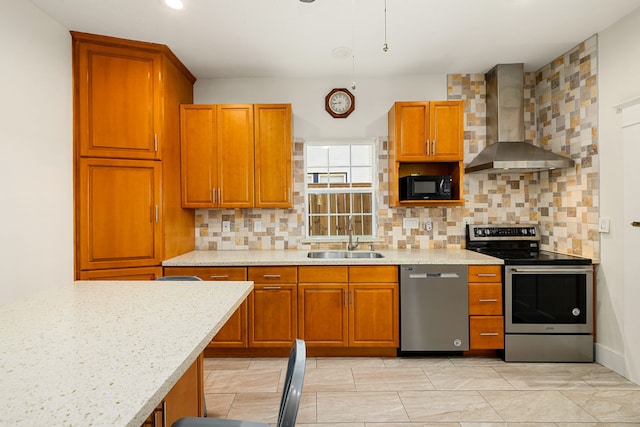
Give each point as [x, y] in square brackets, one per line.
[619, 58]
[36, 217]
[374, 97]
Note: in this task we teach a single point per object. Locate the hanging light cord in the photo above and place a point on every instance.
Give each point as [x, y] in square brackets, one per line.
[353, 44]
[385, 46]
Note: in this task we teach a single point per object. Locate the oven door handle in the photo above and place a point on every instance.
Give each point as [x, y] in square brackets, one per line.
[550, 270]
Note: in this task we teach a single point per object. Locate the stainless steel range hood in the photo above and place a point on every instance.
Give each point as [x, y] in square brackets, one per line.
[506, 151]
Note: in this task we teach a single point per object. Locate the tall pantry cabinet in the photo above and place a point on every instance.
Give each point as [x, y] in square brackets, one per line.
[127, 157]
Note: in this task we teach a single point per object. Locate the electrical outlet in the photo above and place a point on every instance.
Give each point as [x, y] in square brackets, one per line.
[428, 225]
[226, 226]
[257, 226]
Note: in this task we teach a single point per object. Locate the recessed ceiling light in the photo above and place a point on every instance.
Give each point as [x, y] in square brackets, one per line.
[174, 4]
[307, 1]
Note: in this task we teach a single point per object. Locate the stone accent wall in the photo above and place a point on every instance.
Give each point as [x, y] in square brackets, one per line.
[560, 115]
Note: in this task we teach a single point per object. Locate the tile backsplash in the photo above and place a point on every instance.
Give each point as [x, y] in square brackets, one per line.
[560, 115]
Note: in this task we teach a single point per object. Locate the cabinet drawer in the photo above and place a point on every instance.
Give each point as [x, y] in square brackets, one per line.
[486, 332]
[209, 273]
[323, 274]
[485, 298]
[373, 274]
[273, 274]
[485, 273]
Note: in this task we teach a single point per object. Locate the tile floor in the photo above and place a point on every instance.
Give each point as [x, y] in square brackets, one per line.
[421, 392]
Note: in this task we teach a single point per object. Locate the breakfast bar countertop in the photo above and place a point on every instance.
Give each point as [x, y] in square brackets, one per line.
[105, 352]
[299, 257]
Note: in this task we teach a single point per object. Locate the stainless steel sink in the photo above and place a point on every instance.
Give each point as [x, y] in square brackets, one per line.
[344, 254]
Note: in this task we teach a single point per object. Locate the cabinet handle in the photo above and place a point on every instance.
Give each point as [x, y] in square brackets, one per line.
[221, 277]
[271, 288]
[155, 142]
[213, 195]
[487, 274]
[488, 300]
[270, 276]
[426, 146]
[346, 299]
[433, 149]
[489, 334]
[351, 298]
[157, 213]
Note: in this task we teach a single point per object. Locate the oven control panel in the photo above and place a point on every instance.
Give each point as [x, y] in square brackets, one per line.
[503, 232]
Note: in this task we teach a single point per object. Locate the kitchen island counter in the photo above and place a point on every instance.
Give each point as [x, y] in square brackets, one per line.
[105, 352]
[299, 257]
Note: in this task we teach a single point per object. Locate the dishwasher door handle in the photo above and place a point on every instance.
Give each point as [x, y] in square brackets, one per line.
[434, 276]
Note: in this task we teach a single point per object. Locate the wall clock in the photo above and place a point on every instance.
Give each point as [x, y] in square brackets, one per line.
[339, 103]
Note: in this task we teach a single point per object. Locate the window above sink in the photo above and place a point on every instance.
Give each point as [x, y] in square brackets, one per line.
[340, 183]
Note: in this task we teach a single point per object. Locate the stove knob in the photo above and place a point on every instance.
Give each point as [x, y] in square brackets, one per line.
[524, 231]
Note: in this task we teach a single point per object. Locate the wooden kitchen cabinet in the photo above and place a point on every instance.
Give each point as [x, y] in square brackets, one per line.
[234, 333]
[236, 156]
[273, 303]
[120, 217]
[119, 85]
[486, 320]
[355, 306]
[185, 399]
[140, 273]
[426, 138]
[273, 156]
[234, 134]
[127, 155]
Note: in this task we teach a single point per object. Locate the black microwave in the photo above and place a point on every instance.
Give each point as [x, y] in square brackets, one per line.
[420, 187]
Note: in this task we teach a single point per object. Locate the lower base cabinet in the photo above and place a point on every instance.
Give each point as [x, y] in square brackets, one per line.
[486, 320]
[355, 306]
[185, 399]
[353, 310]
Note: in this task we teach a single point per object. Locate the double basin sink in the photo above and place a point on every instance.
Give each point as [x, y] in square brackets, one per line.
[343, 254]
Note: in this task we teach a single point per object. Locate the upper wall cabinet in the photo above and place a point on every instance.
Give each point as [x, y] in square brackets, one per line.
[426, 138]
[236, 156]
[427, 130]
[118, 85]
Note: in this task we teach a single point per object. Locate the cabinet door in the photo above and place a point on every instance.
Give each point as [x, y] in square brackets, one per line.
[323, 315]
[199, 156]
[120, 219]
[273, 152]
[446, 130]
[234, 128]
[273, 313]
[118, 108]
[412, 131]
[373, 315]
[186, 398]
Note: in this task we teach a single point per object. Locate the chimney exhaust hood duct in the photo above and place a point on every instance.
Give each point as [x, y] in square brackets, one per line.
[506, 151]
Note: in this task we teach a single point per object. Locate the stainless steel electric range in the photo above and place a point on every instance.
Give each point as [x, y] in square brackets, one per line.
[548, 297]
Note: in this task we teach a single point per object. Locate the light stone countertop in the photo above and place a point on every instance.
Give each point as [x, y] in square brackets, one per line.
[299, 257]
[105, 353]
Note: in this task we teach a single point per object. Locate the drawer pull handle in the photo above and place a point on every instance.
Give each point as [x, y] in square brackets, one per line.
[270, 276]
[487, 274]
[489, 334]
[219, 277]
[488, 300]
[271, 288]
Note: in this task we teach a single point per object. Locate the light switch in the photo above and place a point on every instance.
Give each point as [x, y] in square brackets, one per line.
[226, 226]
[603, 225]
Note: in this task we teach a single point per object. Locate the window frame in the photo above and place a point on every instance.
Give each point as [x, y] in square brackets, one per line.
[373, 143]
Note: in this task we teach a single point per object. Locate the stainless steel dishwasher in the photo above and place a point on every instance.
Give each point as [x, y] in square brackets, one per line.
[434, 308]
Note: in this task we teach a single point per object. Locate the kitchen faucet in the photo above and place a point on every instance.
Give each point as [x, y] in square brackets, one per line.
[351, 246]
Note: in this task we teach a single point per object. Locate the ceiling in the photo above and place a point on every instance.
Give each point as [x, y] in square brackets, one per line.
[289, 38]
